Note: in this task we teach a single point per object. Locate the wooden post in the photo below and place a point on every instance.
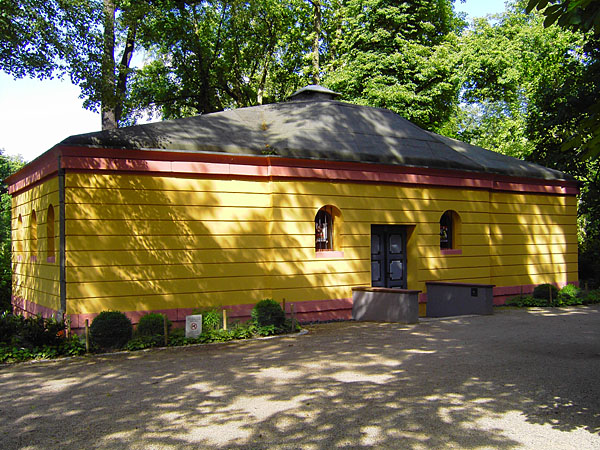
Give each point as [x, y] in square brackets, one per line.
[293, 316]
[69, 327]
[587, 288]
[225, 319]
[87, 336]
[166, 330]
[550, 294]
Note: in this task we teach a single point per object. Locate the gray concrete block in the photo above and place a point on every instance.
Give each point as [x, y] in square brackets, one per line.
[385, 305]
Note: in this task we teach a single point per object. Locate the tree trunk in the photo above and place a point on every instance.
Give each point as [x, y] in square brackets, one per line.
[108, 98]
[317, 34]
[123, 71]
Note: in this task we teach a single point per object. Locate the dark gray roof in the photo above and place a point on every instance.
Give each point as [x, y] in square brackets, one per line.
[315, 129]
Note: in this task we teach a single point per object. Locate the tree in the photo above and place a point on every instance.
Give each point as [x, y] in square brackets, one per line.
[400, 56]
[8, 166]
[82, 39]
[584, 16]
[504, 65]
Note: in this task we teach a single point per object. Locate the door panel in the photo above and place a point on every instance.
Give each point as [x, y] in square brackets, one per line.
[388, 256]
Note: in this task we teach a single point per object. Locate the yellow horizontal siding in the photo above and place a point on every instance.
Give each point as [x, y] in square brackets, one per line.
[433, 251]
[204, 284]
[212, 270]
[533, 199]
[165, 212]
[174, 198]
[532, 239]
[189, 256]
[533, 249]
[533, 219]
[526, 258]
[454, 262]
[529, 269]
[152, 242]
[35, 280]
[205, 299]
[340, 189]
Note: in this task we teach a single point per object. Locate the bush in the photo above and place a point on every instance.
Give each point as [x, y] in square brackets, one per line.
[153, 325]
[526, 301]
[543, 292]
[10, 326]
[211, 319]
[111, 330]
[268, 312]
[569, 295]
[591, 297]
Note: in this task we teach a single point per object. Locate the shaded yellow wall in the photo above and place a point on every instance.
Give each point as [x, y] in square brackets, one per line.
[533, 239]
[143, 242]
[35, 279]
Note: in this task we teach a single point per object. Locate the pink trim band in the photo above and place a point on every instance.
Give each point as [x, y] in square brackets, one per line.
[451, 251]
[82, 158]
[307, 311]
[329, 254]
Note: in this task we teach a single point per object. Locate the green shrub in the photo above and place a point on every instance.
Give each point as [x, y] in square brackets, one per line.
[591, 297]
[522, 301]
[111, 330]
[10, 326]
[569, 295]
[268, 312]
[38, 332]
[153, 325]
[145, 341]
[543, 292]
[211, 320]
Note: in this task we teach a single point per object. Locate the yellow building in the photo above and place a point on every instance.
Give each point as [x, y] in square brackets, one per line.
[298, 201]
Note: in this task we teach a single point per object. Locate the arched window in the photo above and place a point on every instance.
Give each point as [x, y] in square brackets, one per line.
[324, 229]
[50, 233]
[33, 231]
[19, 237]
[450, 230]
[328, 222]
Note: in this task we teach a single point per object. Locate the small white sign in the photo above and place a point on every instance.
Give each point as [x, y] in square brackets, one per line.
[193, 326]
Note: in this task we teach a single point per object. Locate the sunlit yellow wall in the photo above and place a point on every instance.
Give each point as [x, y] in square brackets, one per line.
[35, 279]
[146, 242]
[534, 239]
[303, 277]
[142, 242]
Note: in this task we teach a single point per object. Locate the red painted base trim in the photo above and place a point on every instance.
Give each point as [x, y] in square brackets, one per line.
[28, 308]
[308, 311]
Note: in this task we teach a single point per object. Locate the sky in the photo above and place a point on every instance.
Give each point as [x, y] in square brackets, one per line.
[35, 115]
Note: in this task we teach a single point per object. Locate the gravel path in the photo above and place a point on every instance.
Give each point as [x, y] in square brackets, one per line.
[517, 379]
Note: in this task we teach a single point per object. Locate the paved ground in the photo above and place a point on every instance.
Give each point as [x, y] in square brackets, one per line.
[517, 379]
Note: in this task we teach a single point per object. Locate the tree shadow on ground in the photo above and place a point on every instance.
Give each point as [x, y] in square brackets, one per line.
[467, 382]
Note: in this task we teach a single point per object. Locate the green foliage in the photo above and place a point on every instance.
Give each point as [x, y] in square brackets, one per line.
[569, 295]
[569, 291]
[35, 338]
[543, 291]
[401, 56]
[268, 312]
[592, 297]
[8, 166]
[10, 326]
[212, 319]
[152, 324]
[72, 346]
[145, 341]
[111, 330]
